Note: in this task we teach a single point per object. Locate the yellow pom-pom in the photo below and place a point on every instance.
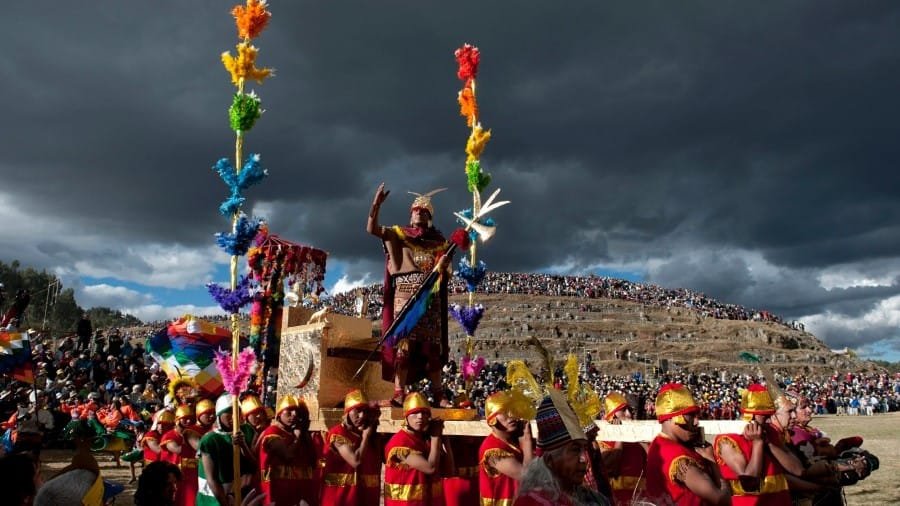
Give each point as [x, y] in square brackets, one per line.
[478, 139]
[244, 66]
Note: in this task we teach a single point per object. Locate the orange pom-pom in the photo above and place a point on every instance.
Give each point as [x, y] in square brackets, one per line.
[244, 65]
[468, 106]
[252, 19]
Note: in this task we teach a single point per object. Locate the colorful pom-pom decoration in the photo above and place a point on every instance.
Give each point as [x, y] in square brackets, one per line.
[236, 379]
[244, 111]
[473, 276]
[486, 221]
[476, 143]
[468, 317]
[467, 58]
[472, 367]
[476, 179]
[231, 301]
[251, 19]
[468, 106]
[238, 241]
[461, 239]
[243, 66]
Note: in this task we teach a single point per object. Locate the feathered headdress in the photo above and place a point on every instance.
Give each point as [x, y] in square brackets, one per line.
[423, 201]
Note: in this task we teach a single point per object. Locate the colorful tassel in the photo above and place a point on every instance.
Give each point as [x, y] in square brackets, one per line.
[238, 242]
[468, 317]
[252, 19]
[244, 65]
[467, 58]
[236, 380]
[244, 111]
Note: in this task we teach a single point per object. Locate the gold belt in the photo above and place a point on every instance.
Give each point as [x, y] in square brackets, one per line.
[188, 463]
[768, 485]
[626, 483]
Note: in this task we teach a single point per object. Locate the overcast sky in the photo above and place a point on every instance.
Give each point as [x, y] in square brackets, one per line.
[747, 152]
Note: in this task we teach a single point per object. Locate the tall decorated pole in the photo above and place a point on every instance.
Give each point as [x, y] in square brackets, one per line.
[251, 19]
[471, 269]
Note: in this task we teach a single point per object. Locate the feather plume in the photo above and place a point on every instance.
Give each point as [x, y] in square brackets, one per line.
[522, 381]
[468, 317]
[236, 380]
[471, 367]
[231, 301]
[572, 383]
[238, 242]
[545, 356]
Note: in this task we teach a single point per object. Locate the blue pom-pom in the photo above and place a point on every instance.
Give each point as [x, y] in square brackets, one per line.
[473, 235]
[471, 275]
[226, 172]
[238, 242]
[232, 204]
[251, 173]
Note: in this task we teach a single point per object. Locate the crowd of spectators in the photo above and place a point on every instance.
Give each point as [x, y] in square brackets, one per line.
[717, 391]
[586, 287]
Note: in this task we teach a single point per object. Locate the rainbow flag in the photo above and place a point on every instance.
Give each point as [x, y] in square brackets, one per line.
[185, 348]
[413, 311]
[15, 356]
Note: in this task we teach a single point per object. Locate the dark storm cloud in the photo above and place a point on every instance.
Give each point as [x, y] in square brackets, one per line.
[623, 134]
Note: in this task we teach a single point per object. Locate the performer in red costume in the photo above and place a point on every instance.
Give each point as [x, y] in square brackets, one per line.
[412, 252]
[623, 463]
[504, 453]
[180, 448]
[206, 416]
[352, 473]
[150, 442]
[676, 472]
[414, 459]
[288, 460]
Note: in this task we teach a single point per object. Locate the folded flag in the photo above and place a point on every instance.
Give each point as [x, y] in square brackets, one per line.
[15, 356]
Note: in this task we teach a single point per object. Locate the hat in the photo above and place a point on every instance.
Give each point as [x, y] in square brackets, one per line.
[557, 422]
[354, 399]
[184, 411]
[424, 201]
[612, 404]
[251, 404]
[205, 406]
[223, 403]
[674, 400]
[495, 404]
[755, 400]
[288, 402]
[165, 416]
[414, 403]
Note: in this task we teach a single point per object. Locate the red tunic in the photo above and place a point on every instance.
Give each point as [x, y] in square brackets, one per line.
[187, 462]
[663, 460]
[773, 488]
[496, 488]
[149, 454]
[462, 489]
[342, 484]
[290, 481]
[627, 481]
[403, 485]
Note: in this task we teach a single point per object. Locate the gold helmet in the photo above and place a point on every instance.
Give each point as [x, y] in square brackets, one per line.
[495, 404]
[205, 406]
[354, 399]
[424, 201]
[165, 416]
[613, 403]
[755, 400]
[674, 400]
[288, 402]
[415, 403]
[251, 404]
[184, 411]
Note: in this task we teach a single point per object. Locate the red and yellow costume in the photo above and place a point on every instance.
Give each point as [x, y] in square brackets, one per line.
[496, 488]
[667, 459]
[290, 480]
[186, 460]
[341, 483]
[773, 485]
[462, 489]
[403, 485]
[627, 480]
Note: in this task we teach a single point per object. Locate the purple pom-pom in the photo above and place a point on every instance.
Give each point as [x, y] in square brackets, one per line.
[467, 316]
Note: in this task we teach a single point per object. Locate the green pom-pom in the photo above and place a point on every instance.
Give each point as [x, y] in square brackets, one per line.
[244, 111]
[476, 179]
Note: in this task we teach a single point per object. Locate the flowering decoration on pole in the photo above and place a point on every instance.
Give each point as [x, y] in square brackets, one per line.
[250, 174]
[472, 270]
[236, 379]
[238, 242]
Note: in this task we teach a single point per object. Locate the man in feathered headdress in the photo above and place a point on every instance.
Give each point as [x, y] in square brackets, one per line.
[412, 252]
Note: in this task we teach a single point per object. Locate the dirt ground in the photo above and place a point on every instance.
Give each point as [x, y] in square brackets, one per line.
[881, 434]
